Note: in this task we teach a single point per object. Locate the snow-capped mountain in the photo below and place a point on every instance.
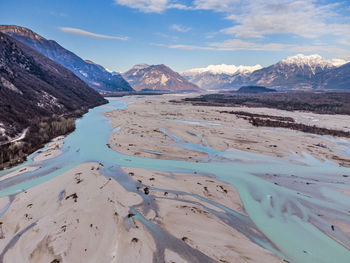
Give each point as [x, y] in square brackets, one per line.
[312, 61]
[91, 73]
[220, 76]
[222, 69]
[158, 78]
[297, 72]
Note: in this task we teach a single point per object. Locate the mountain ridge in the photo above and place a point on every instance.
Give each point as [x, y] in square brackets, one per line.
[91, 73]
[299, 72]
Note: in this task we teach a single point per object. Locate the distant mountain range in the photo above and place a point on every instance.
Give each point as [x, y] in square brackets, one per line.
[143, 77]
[33, 87]
[298, 72]
[92, 74]
[216, 77]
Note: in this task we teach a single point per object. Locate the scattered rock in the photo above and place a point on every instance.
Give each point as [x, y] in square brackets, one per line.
[146, 190]
[73, 196]
[131, 215]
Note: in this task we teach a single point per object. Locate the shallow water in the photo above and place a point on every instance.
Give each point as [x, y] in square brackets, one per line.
[280, 211]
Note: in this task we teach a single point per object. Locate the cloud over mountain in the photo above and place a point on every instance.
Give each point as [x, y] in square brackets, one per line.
[78, 31]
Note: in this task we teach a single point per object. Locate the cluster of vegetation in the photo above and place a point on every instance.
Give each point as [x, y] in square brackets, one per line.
[322, 103]
[251, 115]
[297, 126]
[39, 133]
[254, 89]
[264, 120]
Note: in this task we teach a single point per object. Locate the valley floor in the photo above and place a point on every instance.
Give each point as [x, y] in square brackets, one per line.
[153, 216]
[149, 125]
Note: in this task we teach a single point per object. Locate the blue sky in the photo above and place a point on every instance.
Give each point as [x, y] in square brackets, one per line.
[185, 34]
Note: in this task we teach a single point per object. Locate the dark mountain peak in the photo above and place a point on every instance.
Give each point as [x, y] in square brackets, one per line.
[140, 66]
[161, 66]
[90, 62]
[20, 31]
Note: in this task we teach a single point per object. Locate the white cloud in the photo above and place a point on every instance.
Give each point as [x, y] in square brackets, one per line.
[147, 6]
[259, 18]
[190, 47]
[302, 18]
[180, 28]
[344, 41]
[259, 21]
[236, 44]
[166, 36]
[81, 32]
[217, 5]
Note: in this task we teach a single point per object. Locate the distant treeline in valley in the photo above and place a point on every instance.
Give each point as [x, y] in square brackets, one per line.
[322, 103]
[264, 120]
[298, 127]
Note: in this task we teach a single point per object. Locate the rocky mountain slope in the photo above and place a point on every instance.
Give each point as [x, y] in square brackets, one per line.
[144, 77]
[296, 72]
[92, 74]
[337, 78]
[37, 95]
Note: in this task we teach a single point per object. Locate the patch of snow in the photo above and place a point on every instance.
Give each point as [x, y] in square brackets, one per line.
[313, 61]
[140, 66]
[21, 136]
[151, 81]
[163, 79]
[7, 84]
[2, 129]
[338, 62]
[96, 83]
[223, 69]
[48, 101]
[83, 73]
